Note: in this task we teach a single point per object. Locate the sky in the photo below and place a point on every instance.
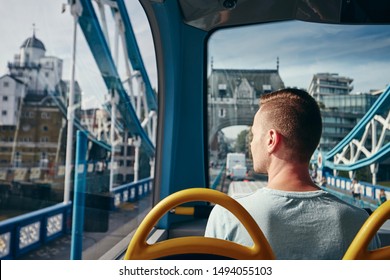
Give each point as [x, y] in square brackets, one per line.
[360, 53]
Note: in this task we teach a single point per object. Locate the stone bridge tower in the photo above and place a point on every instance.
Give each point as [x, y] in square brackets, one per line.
[233, 97]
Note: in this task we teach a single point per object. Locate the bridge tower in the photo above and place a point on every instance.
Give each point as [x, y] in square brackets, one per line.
[233, 97]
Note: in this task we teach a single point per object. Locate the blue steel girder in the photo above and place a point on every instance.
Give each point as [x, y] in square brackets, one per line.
[381, 104]
[94, 36]
[134, 55]
[380, 154]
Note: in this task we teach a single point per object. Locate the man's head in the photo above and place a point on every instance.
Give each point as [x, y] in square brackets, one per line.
[288, 122]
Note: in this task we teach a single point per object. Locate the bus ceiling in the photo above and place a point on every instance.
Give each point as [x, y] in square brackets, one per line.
[208, 15]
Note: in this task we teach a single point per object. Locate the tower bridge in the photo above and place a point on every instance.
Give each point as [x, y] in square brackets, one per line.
[233, 96]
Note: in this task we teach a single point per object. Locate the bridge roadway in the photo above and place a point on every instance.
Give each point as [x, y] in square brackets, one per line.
[95, 244]
[240, 188]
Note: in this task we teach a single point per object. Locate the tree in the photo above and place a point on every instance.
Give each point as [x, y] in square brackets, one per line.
[241, 142]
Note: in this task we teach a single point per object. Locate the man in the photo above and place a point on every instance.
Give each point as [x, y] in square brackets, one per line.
[355, 187]
[299, 220]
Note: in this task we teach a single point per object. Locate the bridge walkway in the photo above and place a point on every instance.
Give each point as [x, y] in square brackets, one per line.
[347, 196]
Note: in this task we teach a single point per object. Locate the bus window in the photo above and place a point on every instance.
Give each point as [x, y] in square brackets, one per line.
[62, 78]
[342, 66]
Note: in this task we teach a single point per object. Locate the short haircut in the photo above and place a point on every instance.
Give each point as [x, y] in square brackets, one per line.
[296, 116]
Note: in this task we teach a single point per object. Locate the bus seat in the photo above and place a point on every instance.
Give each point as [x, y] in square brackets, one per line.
[358, 250]
[138, 248]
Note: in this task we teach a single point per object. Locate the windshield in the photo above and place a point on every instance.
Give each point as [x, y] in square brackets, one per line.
[344, 67]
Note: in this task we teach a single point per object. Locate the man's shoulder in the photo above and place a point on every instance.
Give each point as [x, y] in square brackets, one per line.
[254, 197]
[250, 202]
[344, 207]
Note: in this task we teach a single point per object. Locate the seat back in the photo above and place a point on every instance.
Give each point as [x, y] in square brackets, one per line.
[358, 250]
[139, 249]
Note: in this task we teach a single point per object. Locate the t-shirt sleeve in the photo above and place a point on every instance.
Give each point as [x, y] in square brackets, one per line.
[224, 225]
[214, 225]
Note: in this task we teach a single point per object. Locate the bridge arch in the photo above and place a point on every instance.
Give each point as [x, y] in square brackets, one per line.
[233, 97]
[244, 119]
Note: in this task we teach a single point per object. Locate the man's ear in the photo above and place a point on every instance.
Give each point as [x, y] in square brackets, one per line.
[273, 140]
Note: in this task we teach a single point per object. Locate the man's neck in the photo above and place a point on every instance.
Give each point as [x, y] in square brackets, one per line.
[290, 177]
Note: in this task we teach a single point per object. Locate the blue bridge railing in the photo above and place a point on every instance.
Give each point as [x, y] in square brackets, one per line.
[370, 192]
[131, 192]
[22, 234]
[217, 179]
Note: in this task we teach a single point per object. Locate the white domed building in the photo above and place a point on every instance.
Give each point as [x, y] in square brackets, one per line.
[32, 124]
[40, 73]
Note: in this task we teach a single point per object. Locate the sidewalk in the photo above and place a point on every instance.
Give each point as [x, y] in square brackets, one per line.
[364, 202]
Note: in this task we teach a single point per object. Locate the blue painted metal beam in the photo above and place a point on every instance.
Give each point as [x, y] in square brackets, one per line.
[93, 33]
[180, 51]
[358, 130]
[80, 176]
[135, 56]
[381, 105]
[384, 152]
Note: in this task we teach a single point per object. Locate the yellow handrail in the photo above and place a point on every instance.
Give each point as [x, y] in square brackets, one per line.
[139, 249]
[358, 250]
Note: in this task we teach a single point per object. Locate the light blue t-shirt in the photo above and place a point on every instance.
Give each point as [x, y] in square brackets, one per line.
[298, 225]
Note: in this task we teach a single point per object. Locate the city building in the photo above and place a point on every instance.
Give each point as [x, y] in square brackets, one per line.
[340, 109]
[12, 92]
[33, 109]
[98, 122]
[329, 84]
[243, 83]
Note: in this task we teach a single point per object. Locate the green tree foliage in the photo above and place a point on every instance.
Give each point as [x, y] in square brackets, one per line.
[241, 142]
